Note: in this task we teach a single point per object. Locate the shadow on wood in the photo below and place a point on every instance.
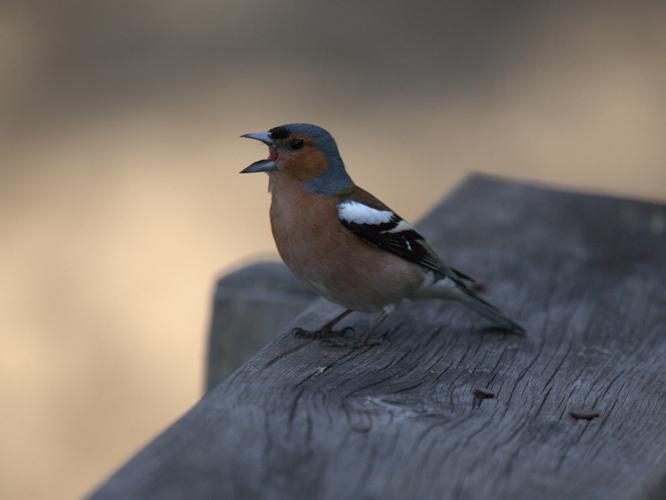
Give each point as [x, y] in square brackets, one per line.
[577, 409]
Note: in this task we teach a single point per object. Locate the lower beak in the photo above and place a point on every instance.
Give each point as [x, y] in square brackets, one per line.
[261, 165]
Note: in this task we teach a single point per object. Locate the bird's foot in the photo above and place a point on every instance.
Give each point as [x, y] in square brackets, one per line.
[323, 333]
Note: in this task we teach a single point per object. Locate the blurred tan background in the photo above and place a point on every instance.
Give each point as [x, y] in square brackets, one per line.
[120, 199]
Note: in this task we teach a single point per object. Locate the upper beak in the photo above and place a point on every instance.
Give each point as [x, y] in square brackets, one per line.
[261, 165]
[260, 136]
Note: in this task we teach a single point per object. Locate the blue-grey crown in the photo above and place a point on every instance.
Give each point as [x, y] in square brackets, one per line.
[336, 178]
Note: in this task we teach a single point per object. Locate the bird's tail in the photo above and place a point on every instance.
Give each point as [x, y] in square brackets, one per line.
[490, 312]
[448, 288]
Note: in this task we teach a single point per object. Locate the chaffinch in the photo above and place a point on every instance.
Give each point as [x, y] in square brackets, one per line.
[346, 244]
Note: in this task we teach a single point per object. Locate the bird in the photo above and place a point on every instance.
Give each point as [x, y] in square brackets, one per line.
[346, 244]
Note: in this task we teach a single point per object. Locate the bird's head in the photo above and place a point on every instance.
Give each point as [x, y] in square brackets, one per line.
[304, 152]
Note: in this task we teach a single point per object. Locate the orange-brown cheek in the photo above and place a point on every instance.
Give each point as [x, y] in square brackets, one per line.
[305, 165]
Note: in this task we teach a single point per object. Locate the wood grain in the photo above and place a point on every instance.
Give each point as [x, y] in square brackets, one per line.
[302, 420]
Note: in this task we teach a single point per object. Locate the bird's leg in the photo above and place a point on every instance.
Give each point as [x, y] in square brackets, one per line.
[326, 331]
[365, 339]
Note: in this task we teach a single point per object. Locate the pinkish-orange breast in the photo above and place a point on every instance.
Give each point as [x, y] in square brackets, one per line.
[328, 257]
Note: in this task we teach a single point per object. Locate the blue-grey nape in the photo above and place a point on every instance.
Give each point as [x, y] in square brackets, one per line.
[336, 179]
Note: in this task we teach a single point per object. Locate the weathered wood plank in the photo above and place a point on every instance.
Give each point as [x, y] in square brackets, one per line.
[250, 306]
[302, 420]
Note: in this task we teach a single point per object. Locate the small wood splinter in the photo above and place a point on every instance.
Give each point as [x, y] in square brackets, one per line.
[482, 393]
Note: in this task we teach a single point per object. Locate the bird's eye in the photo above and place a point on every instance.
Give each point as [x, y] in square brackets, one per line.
[296, 144]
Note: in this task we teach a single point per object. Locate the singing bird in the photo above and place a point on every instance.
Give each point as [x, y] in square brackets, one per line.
[348, 246]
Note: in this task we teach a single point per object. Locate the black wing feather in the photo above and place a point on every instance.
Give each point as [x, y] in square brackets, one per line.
[407, 243]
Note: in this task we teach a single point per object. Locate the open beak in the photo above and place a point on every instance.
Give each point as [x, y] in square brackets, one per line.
[268, 164]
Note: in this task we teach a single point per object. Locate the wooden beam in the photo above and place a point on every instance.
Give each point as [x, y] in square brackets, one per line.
[250, 306]
[577, 409]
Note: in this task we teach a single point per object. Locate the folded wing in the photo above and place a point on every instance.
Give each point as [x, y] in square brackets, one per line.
[379, 226]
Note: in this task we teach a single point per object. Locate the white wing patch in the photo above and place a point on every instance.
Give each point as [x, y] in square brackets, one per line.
[386, 230]
[357, 213]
